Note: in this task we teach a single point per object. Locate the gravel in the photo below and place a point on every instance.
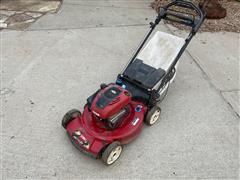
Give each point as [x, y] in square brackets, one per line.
[231, 23]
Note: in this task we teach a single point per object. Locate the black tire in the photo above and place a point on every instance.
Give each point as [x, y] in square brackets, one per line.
[69, 116]
[153, 115]
[109, 152]
[103, 86]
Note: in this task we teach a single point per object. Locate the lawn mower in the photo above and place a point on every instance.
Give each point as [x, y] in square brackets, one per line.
[113, 116]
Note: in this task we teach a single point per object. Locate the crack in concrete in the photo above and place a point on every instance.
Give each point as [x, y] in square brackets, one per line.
[111, 6]
[211, 83]
[232, 90]
[208, 78]
[231, 103]
[89, 27]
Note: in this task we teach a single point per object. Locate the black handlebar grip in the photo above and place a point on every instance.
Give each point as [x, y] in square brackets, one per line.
[182, 18]
[195, 22]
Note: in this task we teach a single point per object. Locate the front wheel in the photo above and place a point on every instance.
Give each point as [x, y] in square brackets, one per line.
[153, 115]
[112, 153]
[69, 116]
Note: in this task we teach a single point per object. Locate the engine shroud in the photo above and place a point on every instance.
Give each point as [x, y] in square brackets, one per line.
[110, 101]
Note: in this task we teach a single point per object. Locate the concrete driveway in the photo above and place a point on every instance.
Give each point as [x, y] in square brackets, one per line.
[62, 59]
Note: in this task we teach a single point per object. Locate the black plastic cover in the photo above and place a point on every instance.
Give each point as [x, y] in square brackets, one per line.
[107, 97]
[144, 74]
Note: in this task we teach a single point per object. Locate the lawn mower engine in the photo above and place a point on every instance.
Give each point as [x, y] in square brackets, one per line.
[111, 105]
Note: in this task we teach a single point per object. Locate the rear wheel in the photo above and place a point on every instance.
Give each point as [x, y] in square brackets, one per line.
[103, 86]
[112, 153]
[153, 115]
[69, 116]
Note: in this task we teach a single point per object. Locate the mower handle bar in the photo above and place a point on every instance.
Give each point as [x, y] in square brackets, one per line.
[170, 15]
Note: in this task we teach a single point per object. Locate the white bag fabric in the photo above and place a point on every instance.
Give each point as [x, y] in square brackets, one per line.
[161, 50]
